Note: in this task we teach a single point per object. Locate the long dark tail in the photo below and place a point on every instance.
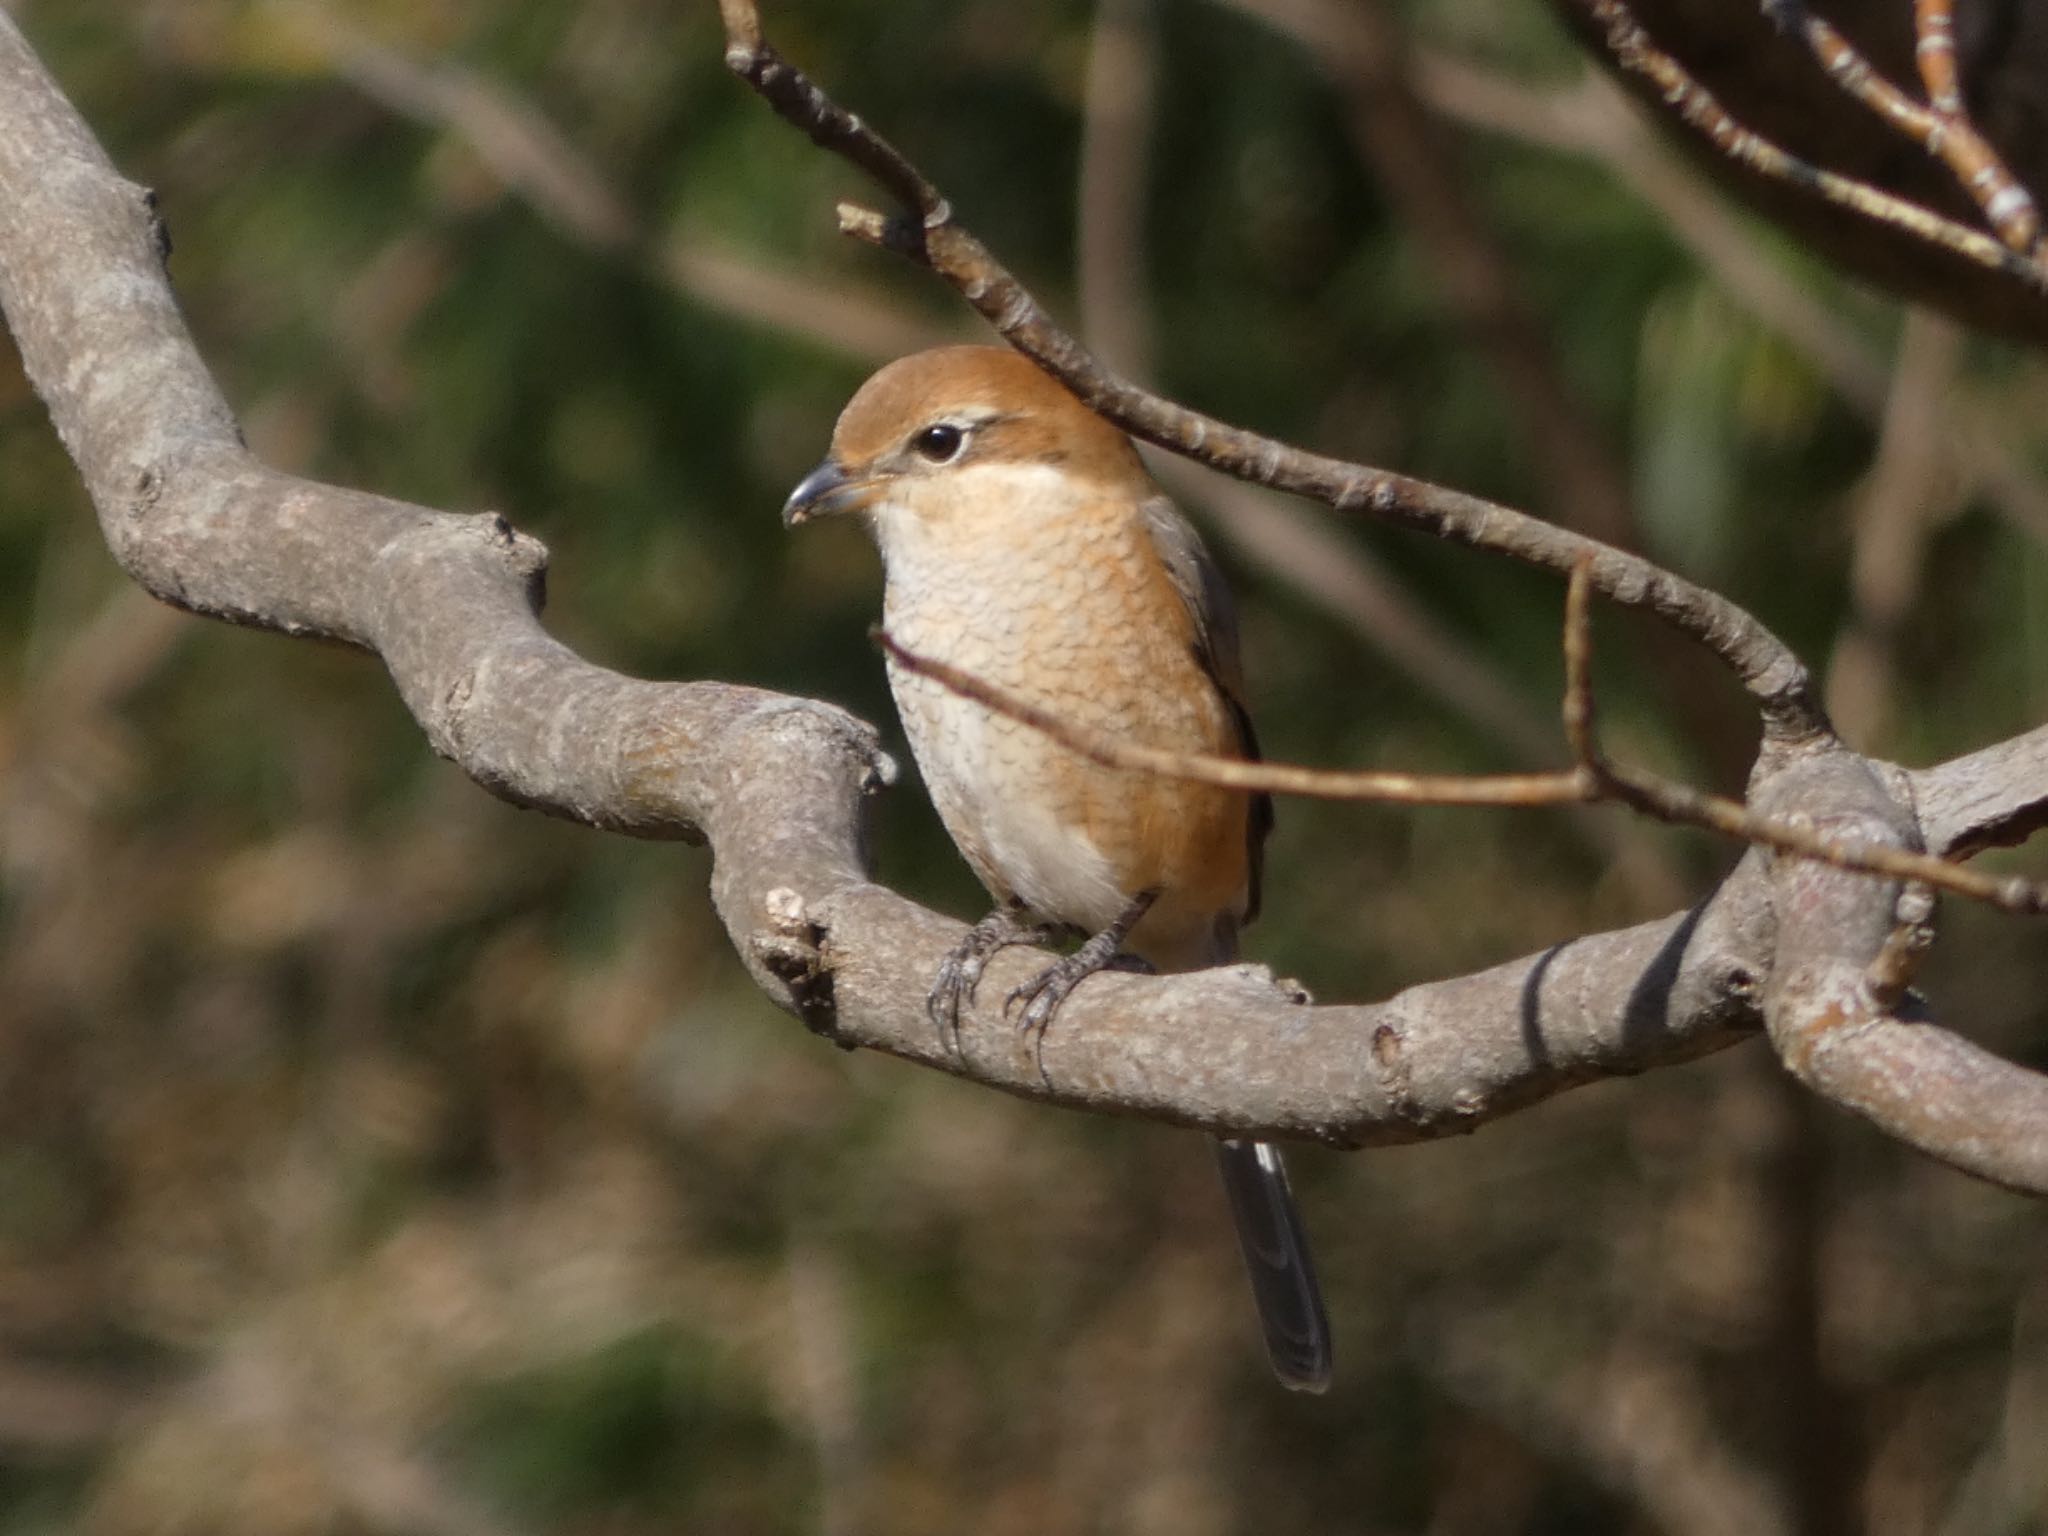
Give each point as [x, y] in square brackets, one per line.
[1276, 1256]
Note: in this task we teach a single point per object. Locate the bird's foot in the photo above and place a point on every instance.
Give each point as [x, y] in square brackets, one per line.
[960, 972]
[1042, 995]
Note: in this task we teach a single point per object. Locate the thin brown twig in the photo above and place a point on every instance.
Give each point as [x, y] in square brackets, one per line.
[1693, 105]
[1944, 131]
[1595, 777]
[1934, 49]
[1360, 45]
[1588, 119]
[796, 99]
[1778, 682]
[1566, 787]
[1682, 805]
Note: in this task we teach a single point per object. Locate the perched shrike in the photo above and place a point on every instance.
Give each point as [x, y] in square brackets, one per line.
[1023, 542]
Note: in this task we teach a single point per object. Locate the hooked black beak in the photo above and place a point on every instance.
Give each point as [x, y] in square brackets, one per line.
[826, 490]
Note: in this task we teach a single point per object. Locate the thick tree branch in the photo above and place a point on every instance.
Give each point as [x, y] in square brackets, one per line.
[1995, 798]
[1842, 1019]
[776, 784]
[1804, 779]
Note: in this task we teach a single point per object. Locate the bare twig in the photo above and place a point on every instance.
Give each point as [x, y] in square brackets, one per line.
[1585, 481]
[1685, 806]
[1942, 130]
[1777, 681]
[1271, 778]
[1591, 119]
[1595, 778]
[1694, 106]
[797, 100]
[1934, 31]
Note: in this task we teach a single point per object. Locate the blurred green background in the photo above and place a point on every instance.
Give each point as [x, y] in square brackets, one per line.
[376, 1157]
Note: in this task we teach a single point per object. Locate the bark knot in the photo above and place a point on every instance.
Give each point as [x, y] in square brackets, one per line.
[146, 492]
[790, 946]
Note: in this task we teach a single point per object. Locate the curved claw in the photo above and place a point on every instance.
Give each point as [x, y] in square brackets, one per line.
[1043, 994]
[960, 972]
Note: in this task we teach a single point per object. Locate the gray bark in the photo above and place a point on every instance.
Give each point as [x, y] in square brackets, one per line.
[777, 784]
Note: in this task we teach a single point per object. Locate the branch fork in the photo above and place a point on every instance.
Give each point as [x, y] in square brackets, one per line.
[777, 785]
[1813, 799]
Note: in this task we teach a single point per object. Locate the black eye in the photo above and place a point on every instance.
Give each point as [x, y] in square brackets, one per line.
[940, 442]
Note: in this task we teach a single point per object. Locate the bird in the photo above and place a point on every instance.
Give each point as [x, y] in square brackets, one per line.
[1023, 541]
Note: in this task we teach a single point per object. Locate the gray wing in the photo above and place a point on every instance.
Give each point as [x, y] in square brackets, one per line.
[1201, 586]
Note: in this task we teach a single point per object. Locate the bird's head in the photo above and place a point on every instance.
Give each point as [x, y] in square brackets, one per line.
[918, 436]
